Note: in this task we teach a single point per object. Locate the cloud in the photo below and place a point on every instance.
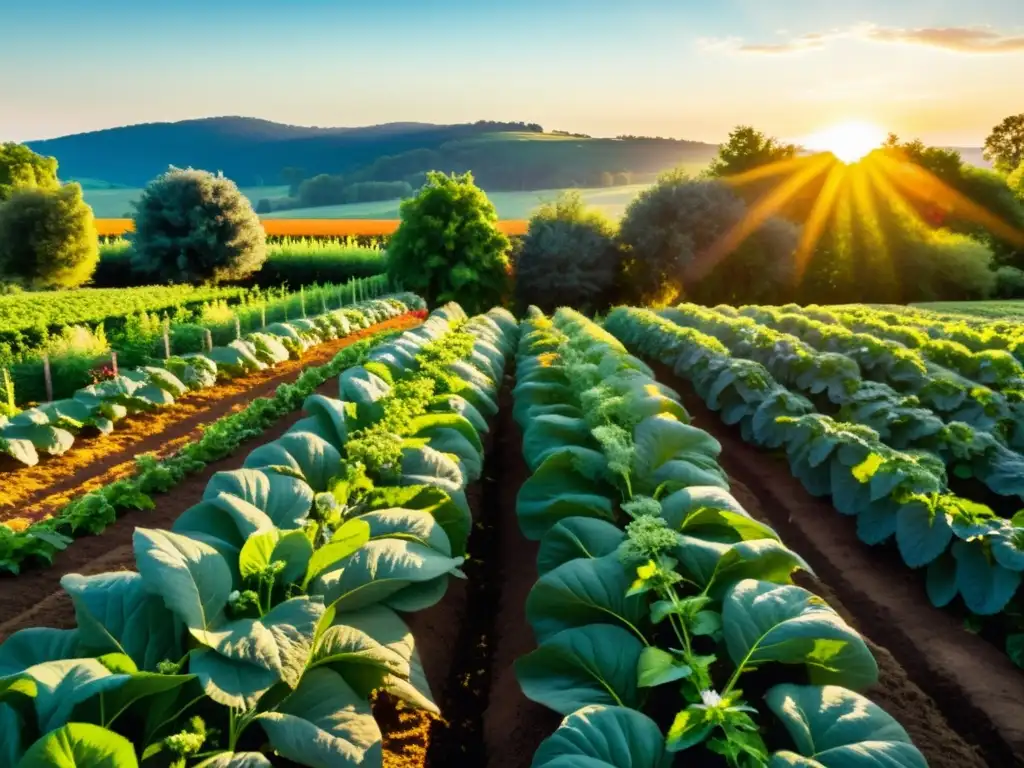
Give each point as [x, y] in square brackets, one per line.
[959, 39]
[965, 40]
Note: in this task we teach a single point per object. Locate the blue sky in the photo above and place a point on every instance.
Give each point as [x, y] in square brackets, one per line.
[942, 70]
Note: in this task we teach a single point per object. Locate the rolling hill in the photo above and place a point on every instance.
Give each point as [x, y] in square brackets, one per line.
[254, 152]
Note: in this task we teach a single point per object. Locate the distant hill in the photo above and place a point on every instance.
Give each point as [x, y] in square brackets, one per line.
[256, 152]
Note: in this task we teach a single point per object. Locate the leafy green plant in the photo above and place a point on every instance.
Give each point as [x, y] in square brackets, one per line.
[448, 245]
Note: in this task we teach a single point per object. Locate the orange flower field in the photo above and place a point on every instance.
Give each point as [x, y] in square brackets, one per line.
[313, 227]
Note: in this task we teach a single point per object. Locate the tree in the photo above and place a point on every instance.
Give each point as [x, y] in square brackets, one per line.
[48, 238]
[569, 257]
[1015, 182]
[194, 227]
[747, 149]
[20, 168]
[1004, 147]
[448, 246]
[676, 235]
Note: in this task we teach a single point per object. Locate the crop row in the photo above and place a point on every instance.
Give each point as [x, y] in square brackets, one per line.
[970, 443]
[968, 551]
[654, 580]
[51, 427]
[262, 622]
[24, 543]
[991, 359]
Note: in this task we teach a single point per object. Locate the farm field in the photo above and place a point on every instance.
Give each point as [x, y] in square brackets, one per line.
[116, 203]
[553, 518]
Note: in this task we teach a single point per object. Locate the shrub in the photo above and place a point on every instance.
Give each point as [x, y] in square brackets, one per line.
[1009, 283]
[194, 227]
[48, 238]
[943, 266]
[674, 235]
[448, 246]
[568, 257]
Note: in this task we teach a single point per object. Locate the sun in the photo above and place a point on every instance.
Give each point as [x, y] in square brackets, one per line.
[849, 141]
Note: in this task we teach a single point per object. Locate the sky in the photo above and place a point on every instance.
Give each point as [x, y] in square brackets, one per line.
[944, 71]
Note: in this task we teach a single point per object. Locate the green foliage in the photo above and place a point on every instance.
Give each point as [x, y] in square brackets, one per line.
[1009, 283]
[1004, 147]
[943, 265]
[680, 227]
[747, 149]
[448, 245]
[569, 257]
[21, 168]
[194, 227]
[48, 238]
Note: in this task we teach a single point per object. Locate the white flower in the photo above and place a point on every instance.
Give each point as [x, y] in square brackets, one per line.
[233, 597]
[710, 698]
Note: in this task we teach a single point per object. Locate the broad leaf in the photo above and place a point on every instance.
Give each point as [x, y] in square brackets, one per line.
[765, 623]
[309, 455]
[592, 664]
[576, 537]
[284, 499]
[80, 745]
[836, 728]
[604, 737]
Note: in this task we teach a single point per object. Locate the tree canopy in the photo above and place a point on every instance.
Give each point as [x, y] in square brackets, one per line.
[1004, 147]
[21, 168]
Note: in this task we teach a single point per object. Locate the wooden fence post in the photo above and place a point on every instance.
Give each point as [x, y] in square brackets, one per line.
[238, 328]
[263, 316]
[209, 340]
[302, 299]
[47, 378]
[113, 362]
[167, 338]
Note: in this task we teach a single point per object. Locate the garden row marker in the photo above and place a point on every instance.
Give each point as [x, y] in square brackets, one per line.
[48, 378]
[8, 383]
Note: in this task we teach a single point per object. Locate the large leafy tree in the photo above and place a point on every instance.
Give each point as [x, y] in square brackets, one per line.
[21, 168]
[194, 227]
[48, 238]
[746, 149]
[569, 257]
[678, 238]
[448, 246]
[1004, 147]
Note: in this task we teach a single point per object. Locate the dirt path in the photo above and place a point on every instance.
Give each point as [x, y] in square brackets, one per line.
[961, 699]
[91, 463]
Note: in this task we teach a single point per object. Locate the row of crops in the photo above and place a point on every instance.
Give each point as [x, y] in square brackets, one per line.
[654, 579]
[268, 614]
[887, 450]
[51, 427]
[28, 321]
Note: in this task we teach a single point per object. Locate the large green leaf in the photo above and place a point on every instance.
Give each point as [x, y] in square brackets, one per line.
[604, 737]
[191, 577]
[236, 760]
[549, 433]
[409, 525]
[224, 522]
[426, 466]
[327, 419]
[309, 455]
[345, 540]
[581, 592]
[922, 533]
[712, 512]
[374, 649]
[662, 439]
[379, 571]
[80, 745]
[576, 537]
[43, 437]
[453, 516]
[566, 484]
[836, 728]
[62, 685]
[358, 385]
[324, 724]
[34, 645]
[116, 613]
[293, 548]
[245, 657]
[592, 664]
[286, 500]
[764, 622]
[984, 584]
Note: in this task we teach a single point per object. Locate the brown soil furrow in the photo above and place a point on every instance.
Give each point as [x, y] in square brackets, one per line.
[93, 462]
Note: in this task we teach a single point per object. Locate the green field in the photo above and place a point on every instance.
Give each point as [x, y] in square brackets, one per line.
[986, 309]
[115, 203]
